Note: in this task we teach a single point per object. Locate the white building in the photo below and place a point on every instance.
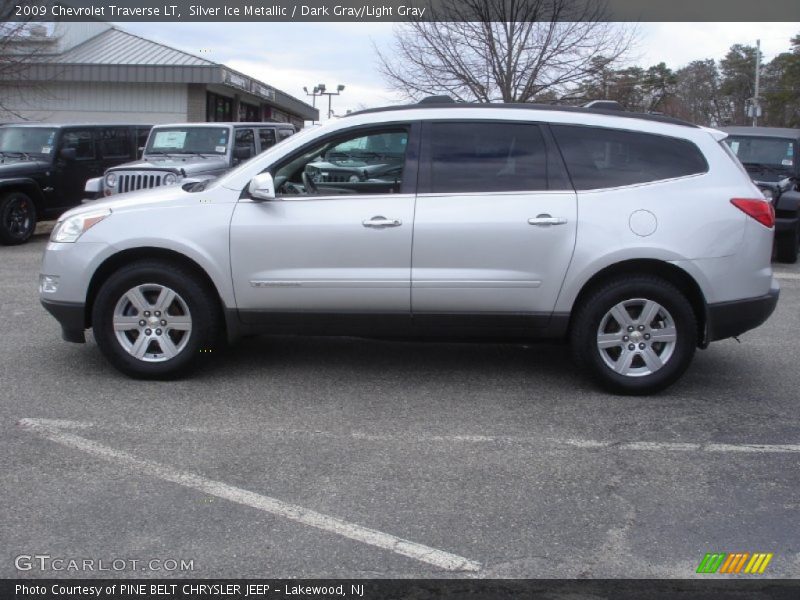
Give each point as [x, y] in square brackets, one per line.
[95, 72]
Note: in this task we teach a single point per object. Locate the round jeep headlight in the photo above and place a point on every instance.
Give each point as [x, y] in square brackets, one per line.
[170, 179]
[111, 179]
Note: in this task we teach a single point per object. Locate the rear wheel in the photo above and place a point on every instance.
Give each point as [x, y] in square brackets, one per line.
[635, 335]
[17, 218]
[787, 246]
[154, 320]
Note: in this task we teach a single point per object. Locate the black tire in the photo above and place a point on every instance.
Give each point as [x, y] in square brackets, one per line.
[17, 218]
[787, 246]
[595, 311]
[193, 299]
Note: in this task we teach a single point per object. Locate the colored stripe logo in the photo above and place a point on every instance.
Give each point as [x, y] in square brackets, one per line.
[735, 563]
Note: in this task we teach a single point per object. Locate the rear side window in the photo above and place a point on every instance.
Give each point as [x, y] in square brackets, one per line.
[141, 137]
[487, 157]
[115, 142]
[602, 158]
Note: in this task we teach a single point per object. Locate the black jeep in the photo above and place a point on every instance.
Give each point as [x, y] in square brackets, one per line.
[771, 157]
[44, 167]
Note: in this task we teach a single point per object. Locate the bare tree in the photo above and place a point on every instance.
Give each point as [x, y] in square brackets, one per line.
[21, 44]
[502, 50]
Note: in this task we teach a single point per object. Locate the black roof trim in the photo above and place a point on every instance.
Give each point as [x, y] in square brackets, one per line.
[766, 132]
[571, 109]
[64, 125]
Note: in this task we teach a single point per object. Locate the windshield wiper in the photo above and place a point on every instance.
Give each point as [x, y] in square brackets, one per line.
[764, 167]
[24, 155]
[195, 153]
[160, 152]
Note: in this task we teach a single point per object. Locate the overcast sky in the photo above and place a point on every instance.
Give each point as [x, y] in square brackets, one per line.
[289, 56]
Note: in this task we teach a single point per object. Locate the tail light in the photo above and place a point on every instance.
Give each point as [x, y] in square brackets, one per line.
[761, 210]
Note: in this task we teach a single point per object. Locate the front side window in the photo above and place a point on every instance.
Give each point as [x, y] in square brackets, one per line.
[599, 158]
[266, 137]
[21, 141]
[487, 157]
[81, 140]
[188, 140]
[245, 140]
[366, 163]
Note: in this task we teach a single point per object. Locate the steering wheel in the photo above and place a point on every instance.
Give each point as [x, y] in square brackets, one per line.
[308, 183]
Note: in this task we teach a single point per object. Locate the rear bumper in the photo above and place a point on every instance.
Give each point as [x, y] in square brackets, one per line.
[71, 316]
[728, 319]
[785, 224]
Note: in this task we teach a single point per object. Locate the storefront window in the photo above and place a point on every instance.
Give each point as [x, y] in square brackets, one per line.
[218, 108]
[248, 112]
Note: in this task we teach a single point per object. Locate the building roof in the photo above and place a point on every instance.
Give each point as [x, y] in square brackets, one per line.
[117, 47]
[117, 56]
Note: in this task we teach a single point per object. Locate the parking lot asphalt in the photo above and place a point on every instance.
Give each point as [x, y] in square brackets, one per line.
[303, 457]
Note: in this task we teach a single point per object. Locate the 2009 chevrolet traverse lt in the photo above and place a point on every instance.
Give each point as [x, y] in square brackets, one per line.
[637, 238]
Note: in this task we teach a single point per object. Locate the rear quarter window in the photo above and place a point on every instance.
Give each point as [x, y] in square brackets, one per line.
[598, 157]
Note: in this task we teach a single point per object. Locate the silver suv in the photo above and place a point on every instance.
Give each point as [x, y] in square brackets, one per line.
[637, 238]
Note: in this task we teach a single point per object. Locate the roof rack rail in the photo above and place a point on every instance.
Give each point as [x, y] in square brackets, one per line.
[597, 110]
[604, 104]
[437, 100]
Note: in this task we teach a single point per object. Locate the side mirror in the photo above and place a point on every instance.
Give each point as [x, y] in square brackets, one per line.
[140, 152]
[68, 153]
[242, 152]
[262, 187]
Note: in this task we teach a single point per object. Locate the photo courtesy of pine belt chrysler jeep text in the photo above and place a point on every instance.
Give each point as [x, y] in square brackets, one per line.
[637, 238]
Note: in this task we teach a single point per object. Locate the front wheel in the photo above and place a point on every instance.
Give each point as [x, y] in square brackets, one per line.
[154, 320]
[635, 335]
[17, 218]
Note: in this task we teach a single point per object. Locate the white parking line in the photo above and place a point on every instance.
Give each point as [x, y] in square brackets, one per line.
[586, 444]
[786, 275]
[683, 446]
[54, 431]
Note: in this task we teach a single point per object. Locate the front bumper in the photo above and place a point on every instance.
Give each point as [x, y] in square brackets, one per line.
[729, 319]
[71, 316]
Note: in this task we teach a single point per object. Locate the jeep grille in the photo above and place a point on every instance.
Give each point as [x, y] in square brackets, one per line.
[138, 180]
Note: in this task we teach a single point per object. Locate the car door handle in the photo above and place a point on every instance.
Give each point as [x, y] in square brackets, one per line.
[546, 221]
[380, 222]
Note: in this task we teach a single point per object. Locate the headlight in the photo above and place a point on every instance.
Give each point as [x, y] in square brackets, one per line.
[111, 179]
[170, 179]
[71, 228]
[769, 193]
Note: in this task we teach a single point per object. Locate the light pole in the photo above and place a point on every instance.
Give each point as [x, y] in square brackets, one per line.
[317, 91]
[339, 90]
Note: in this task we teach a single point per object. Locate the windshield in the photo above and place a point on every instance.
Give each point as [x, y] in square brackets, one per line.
[778, 153]
[188, 140]
[27, 140]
